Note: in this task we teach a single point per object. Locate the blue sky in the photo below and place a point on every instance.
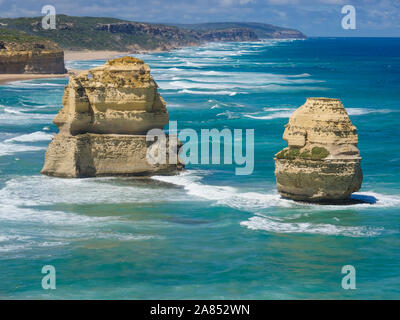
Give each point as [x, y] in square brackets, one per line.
[313, 17]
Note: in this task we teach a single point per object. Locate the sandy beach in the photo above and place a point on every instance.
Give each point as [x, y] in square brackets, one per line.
[68, 56]
[92, 54]
[4, 78]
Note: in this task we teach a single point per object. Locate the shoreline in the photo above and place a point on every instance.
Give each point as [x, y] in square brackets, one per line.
[8, 77]
[11, 77]
[85, 55]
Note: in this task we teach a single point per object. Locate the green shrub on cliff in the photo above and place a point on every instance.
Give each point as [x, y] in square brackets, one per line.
[17, 40]
[319, 153]
[7, 35]
[291, 153]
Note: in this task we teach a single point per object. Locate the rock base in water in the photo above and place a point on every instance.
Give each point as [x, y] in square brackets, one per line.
[318, 181]
[93, 155]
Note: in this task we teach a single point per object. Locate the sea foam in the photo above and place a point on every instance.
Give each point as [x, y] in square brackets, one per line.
[255, 201]
[13, 146]
[276, 226]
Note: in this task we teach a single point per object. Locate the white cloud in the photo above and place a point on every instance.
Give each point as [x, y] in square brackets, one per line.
[227, 3]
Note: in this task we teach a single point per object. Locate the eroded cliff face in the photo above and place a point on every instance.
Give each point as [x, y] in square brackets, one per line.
[165, 38]
[103, 124]
[45, 57]
[232, 34]
[322, 161]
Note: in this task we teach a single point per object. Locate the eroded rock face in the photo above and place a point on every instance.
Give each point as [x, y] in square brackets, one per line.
[44, 57]
[120, 97]
[103, 124]
[322, 161]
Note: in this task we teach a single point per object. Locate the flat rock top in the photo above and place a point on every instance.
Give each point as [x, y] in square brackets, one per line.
[125, 61]
[121, 72]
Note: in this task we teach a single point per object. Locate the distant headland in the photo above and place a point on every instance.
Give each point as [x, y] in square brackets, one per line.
[95, 33]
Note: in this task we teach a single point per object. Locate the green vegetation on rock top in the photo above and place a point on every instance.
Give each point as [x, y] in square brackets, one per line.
[17, 40]
[7, 35]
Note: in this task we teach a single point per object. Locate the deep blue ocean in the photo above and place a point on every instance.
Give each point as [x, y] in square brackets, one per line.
[209, 233]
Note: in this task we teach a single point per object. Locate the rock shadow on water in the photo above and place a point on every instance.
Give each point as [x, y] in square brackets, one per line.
[353, 200]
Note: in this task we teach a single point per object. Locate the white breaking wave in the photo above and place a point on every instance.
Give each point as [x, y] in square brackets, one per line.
[43, 190]
[225, 195]
[270, 116]
[10, 210]
[229, 114]
[250, 201]
[216, 92]
[21, 205]
[253, 201]
[223, 84]
[47, 237]
[362, 111]
[32, 137]
[17, 117]
[8, 146]
[28, 84]
[10, 110]
[271, 225]
[279, 109]
[239, 80]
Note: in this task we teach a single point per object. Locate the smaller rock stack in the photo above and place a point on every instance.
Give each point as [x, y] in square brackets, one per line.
[322, 161]
[102, 127]
[31, 57]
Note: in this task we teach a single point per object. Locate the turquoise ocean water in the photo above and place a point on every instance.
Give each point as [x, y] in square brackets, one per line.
[209, 233]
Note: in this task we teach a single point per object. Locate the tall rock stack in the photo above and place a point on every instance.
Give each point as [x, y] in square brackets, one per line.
[322, 161]
[102, 127]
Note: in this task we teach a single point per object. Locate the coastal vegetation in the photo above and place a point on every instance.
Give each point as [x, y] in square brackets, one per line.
[18, 40]
[94, 33]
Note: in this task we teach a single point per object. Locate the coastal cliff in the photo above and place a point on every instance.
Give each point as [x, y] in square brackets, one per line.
[20, 53]
[258, 30]
[93, 33]
[103, 124]
[322, 161]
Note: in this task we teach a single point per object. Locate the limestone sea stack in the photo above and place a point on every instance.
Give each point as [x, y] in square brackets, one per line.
[20, 53]
[322, 161]
[102, 127]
